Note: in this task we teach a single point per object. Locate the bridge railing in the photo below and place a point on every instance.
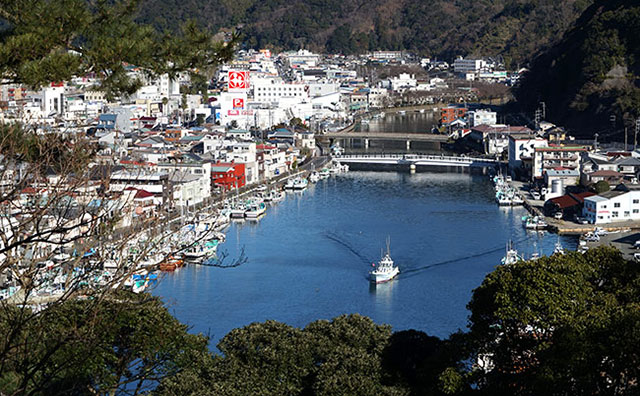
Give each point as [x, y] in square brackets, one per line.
[417, 157]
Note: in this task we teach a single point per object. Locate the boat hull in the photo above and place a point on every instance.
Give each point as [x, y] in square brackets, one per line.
[378, 278]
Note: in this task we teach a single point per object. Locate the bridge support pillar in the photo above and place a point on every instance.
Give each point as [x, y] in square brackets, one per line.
[366, 143]
[408, 144]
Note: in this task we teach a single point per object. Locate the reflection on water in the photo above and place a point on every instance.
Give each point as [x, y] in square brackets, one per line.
[412, 122]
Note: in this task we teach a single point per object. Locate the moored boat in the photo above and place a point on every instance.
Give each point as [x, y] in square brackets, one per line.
[255, 209]
[511, 256]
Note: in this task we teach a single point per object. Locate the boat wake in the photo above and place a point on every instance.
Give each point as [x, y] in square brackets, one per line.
[336, 238]
[413, 271]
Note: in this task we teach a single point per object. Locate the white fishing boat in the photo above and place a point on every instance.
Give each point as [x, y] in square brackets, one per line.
[238, 210]
[314, 177]
[384, 270]
[289, 184]
[503, 200]
[517, 200]
[201, 250]
[324, 174]
[276, 196]
[255, 210]
[511, 256]
[558, 249]
[534, 223]
[300, 183]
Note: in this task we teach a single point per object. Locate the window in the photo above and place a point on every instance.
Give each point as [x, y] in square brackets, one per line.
[604, 206]
[614, 214]
[636, 201]
[616, 205]
[635, 211]
[626, 213]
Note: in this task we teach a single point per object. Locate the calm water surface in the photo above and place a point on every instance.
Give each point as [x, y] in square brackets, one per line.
[309, 256]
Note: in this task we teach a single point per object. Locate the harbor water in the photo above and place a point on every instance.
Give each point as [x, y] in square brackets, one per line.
[309, 257]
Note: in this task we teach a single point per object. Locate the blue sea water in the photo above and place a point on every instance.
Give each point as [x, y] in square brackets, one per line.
[308, 258]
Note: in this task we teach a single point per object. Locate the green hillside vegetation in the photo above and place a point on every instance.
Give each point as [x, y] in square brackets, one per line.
[515, 29]
[593, 73]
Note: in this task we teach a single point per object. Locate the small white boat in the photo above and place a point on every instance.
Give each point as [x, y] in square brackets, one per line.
[261, 188]
[511, 256]
[255, 210]
[384, 270]
[201, 250]
[534, 223]
[558, 249]
[324, 174]
[297, 183]
[503, 200]
[238, 210]
[289, 184]
[314, 177]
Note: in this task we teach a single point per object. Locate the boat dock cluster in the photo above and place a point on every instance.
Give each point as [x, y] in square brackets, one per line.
[506, 195]
[136, 263]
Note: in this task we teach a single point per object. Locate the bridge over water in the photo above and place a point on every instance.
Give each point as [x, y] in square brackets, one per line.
[413, 160]
[367, 137]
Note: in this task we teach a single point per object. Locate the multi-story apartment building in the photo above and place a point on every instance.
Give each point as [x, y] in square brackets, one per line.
[567, 157]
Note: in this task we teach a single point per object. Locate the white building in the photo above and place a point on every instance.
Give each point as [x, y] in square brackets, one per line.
[464, 66]
[521, 151]
[53, 99]
[403, 81]
[480, 117]
[245, 153]
[188, 189]
[378, 98]
[618, 205]
[199, 176]
[271, 90]
[556, 157]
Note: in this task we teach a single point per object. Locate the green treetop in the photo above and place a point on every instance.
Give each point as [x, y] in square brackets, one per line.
[44, 41]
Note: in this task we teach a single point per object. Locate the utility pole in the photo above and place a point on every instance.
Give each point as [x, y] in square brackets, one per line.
[635, 139]
[595, 141]
[544, 110]
[625, 139]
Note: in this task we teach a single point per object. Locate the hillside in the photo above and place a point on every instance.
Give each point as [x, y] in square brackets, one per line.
[515, 29]
[593, 73]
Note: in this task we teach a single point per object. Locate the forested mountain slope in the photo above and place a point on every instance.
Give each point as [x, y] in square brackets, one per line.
[592, 76]
[515, 29]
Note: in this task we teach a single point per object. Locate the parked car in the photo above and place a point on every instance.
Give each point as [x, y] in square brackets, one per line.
[637, 244]
[535, 195]
[558, 215]
[636, 256]
[581, 220]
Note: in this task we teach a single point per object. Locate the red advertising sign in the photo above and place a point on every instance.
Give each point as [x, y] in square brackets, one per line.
[233, 112]
[238, 103]
[238, 80]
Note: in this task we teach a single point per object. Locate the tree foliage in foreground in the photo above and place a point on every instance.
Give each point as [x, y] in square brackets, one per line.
[349, 355]
[42, 41]
[561, 325]
[121, 345]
